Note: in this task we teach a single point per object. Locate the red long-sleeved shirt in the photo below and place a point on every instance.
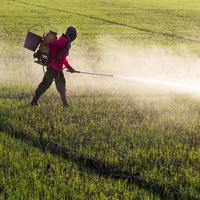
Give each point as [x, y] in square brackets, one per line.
[58, 51]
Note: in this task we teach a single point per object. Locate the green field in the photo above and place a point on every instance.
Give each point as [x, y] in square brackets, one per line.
[118, 139]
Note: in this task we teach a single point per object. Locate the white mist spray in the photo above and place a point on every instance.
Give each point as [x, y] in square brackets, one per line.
[133, 68]
[188, 87]
[157, 68]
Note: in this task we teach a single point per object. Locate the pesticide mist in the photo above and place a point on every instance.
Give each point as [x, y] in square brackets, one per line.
[136, 69]
[140, 69]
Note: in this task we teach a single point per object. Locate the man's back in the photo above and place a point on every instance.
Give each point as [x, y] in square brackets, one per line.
[58, 52]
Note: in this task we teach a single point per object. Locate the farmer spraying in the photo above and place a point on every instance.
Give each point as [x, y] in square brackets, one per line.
[58, 50]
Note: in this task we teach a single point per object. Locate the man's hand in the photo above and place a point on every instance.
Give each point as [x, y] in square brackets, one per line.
[71, 69]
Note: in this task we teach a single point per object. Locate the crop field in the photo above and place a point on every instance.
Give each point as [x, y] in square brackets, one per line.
[120, 138]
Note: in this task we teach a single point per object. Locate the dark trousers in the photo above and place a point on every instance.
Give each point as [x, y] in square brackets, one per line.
[50, 75]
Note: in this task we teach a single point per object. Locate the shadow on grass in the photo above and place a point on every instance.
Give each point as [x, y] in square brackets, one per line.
[96, 166]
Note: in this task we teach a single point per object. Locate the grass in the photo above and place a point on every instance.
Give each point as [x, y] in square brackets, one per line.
[107, 145]
[30, 173]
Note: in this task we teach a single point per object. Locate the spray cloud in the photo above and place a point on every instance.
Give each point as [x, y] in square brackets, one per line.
[135, 68]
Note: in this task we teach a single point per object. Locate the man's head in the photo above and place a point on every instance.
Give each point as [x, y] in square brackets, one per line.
[71, 32]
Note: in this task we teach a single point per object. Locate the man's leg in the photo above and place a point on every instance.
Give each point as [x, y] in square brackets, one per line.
[44, 85]
[61, 88]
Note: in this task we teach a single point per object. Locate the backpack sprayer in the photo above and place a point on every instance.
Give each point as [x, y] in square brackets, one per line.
[39, 45]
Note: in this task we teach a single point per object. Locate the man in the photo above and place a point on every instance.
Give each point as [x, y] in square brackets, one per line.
[58, 50]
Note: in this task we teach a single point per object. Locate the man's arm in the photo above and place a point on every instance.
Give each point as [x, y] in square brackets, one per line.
[68, 66]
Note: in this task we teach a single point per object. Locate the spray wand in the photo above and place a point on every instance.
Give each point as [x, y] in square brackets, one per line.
[91, 73]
